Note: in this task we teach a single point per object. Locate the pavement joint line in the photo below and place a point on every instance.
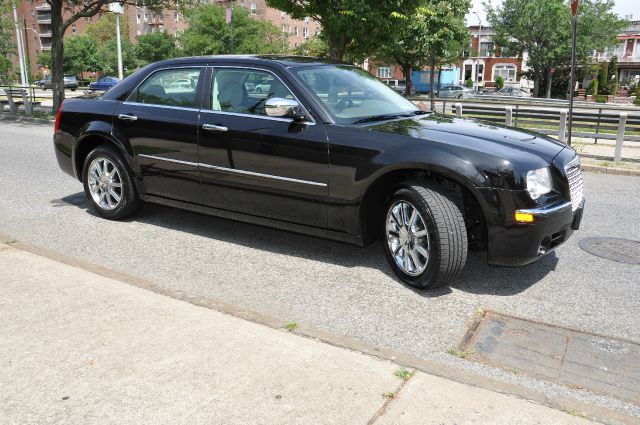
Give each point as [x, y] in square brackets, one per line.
[385, 406]
[558, 402]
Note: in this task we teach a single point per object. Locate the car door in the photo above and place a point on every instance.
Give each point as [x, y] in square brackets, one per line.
[161, 124]
[256, 164]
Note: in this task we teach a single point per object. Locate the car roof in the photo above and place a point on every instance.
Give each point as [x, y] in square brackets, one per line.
[288, 61]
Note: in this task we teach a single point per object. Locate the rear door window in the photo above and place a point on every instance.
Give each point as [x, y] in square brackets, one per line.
[171, 87]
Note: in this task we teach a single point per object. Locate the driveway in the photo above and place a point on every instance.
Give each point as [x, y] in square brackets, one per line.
[337, 288]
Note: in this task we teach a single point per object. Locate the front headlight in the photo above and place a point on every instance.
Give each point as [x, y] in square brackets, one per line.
[538, 182]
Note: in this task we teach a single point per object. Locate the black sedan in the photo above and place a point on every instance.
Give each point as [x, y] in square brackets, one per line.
[328, 150]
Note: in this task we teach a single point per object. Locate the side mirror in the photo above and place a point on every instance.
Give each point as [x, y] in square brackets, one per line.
[282, 108]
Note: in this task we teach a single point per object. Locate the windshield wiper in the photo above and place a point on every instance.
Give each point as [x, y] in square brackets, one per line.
[384, 117]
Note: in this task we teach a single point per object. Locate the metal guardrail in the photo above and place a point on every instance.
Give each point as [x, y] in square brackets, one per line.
[602, 124]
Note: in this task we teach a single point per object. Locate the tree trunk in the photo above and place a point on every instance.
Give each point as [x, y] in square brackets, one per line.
[57, 55]
[406, 70]
[549, 80]
[432, 82]
[439, 79]
[536, 83]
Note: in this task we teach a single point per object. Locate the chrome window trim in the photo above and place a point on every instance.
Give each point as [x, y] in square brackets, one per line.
[234, 171]
[155, 71]
[181, 108]
[214, 67]
[263, 117]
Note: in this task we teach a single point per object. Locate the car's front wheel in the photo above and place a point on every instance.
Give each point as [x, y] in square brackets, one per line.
[108, 184]
[425, 236]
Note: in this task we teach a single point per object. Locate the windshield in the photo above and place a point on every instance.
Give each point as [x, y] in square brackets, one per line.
[351, 94]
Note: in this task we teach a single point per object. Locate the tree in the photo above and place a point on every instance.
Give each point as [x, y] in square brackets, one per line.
[104, 29]
[354, 28]
[434, 33]
[81, 55]
[7, 45]
[209, 34]
[543, 29]
[315, 47]
[107, 55]
[603, 77]
[154, 47]
[66, 12]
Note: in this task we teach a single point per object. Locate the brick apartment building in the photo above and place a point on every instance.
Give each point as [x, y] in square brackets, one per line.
[35, 21]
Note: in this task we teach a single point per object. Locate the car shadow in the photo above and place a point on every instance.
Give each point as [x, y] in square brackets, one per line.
[477, 277]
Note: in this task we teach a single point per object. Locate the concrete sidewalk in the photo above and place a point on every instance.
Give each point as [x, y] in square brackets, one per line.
[79, 348]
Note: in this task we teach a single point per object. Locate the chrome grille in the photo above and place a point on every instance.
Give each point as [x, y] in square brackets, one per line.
[576, 188]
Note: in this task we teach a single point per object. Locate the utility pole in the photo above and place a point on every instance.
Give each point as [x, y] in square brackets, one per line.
[24, 79]
[118, 10]
[574, 12]
[477, 73]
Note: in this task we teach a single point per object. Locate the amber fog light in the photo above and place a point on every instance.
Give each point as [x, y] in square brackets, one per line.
[522, 217]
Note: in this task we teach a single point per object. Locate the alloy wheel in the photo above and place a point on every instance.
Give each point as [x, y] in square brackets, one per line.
[105, 183]
[408, 238]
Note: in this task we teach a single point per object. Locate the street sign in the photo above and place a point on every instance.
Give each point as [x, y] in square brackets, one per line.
[574, 7]
[116, 8]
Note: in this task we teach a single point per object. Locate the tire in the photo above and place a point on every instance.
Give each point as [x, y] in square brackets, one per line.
[445, 240]
[73, 89]
[109, 206]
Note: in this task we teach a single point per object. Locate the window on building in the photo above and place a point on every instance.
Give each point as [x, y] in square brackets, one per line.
[176, 16]
[295, 31]
[284, 28]
[506, 71]
[87, 19]
[306, 19]
[384, 72]
[254, 8]
[487, 48]
[146, 16]
[74, 29]
[305, 32]
[138, 18]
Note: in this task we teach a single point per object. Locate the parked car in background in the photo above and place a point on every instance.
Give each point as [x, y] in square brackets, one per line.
[511, 91]
[455, 92]
[330, 151]
[70, 82]
[399, 86]
[104, 83]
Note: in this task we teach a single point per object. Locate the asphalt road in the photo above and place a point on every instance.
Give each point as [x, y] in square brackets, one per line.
[331, 286]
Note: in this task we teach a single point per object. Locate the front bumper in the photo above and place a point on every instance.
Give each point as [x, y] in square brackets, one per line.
[517, 244]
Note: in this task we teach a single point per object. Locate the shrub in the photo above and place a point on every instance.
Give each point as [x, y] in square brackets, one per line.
[593, 87]
[469, 83]
[601, 98]
[637, 101]
[499, 82]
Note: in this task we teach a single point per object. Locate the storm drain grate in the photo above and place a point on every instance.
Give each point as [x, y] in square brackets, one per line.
[616, 249]
[565, 356]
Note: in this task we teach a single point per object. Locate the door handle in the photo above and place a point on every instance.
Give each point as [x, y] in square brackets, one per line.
[215, 128]
[128, 118]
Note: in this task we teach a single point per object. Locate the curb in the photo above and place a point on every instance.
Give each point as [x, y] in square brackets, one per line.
[610, 170]
[17, 118]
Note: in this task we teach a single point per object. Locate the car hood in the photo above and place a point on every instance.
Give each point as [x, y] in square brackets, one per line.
[494, 139]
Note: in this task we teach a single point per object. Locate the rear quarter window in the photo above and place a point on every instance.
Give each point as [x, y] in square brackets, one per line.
[172, 87]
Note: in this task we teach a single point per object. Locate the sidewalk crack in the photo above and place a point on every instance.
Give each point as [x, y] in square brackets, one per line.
[385, 406]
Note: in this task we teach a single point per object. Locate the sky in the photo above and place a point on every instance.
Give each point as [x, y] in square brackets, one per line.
[622, 7]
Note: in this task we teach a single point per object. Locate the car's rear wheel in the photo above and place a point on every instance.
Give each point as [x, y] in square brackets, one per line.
[425, 236]
[108, 184]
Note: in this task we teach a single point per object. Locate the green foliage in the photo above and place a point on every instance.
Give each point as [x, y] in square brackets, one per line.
[593, 87]
[107, 55]
[44, 58]
[434, 34]
[352, 28]
[603, 77]
[5, 70]
[155, 47]
[543, 29]
[469, 83]
[315, 47]
[209, 34]
[7, 44]
[636, 101]
[601, 98]
[499, 82]
[104, 29]
[81, 54]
